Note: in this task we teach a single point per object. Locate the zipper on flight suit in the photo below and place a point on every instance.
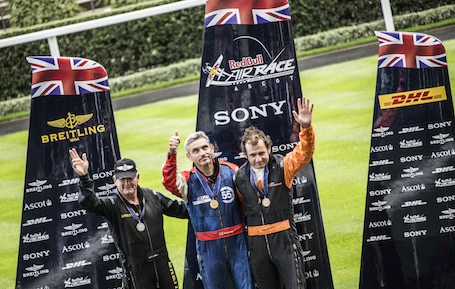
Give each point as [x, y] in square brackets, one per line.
[265, 236]
[151, 250]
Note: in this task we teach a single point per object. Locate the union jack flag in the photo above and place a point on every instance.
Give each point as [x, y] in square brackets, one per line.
[66, 76]
[410, 50]
[220, 12]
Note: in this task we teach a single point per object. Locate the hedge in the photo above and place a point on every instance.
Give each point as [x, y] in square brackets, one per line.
[162, 40]
[192, 66]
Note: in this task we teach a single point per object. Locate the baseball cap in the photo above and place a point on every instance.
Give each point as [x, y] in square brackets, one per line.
[125, 168]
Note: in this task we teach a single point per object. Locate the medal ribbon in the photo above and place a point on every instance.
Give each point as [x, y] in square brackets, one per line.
[206, 187]
[265, 189]
[130, 209]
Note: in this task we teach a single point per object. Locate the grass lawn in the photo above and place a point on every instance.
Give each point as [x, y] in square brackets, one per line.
[343, 95]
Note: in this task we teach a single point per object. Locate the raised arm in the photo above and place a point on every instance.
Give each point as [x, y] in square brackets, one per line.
[172, 180]
[87, 197]
[301, 155]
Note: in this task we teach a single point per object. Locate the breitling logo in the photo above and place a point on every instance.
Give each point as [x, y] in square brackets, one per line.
[72, 134]
[71, 121]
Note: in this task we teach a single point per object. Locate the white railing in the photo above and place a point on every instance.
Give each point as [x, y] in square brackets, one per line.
[52, 34]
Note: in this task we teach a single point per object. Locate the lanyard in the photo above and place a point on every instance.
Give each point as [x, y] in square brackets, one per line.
[206, 187]
[265, 189]
[130, 209]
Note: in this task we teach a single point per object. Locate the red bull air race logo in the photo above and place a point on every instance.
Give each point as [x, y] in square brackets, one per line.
[249, 69]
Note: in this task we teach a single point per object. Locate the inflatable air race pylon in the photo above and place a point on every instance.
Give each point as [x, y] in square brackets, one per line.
[408, 239]
[249, 76]
[62, 245]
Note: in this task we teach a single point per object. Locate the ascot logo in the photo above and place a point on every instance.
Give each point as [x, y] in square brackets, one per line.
[411, 129]
[38, 205]
[440, 154]
[413, 188]
[411, 173]
[76, 247]
[382, 131]
[76, 282]
[299, 180]
[312, 274]
[35, 271]
[449, 229]
[248, 69]
[70, 122]
[441, 139]
[383, 148]
[33, 238]
[380, 224]
[38, 186]
[74, 230]
[412, 143]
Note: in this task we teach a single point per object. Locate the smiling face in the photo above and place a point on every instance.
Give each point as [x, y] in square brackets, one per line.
[200, 152]
[257, 154]
[127, 187]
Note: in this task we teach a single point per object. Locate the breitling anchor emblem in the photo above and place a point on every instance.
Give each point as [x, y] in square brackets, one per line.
[71, 121]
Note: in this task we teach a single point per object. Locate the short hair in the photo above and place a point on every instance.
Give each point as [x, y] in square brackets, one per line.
[254, 135]
[194, 137]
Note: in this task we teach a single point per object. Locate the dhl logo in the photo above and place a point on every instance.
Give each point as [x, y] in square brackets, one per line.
[413, 97]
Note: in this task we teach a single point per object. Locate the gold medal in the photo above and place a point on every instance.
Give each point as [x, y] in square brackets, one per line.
[140, 227]
[214, 204]
[266, 202]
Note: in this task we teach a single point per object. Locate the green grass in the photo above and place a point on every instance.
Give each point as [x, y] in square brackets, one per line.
[343, 95]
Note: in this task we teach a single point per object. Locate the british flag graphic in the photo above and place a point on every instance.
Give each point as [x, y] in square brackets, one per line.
[66, 76]
[410, 50]
[221, 12]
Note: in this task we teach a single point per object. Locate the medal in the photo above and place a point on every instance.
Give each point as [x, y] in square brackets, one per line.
[140, 227]
[266, 202]
[214, 204]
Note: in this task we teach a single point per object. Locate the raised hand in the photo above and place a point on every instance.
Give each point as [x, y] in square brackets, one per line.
[80, 165]
[305, 112]
[174, 142]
